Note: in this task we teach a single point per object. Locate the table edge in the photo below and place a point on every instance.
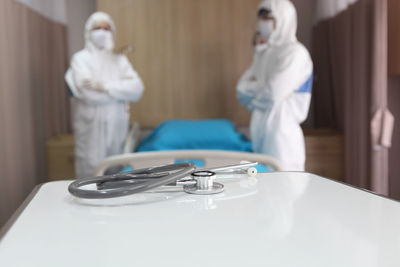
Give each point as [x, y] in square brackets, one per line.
[10, 222]
[345, 184]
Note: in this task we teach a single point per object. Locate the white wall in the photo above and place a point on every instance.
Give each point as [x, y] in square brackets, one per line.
[52, 9]
[326, 9]
[72, 13]
[77, 13]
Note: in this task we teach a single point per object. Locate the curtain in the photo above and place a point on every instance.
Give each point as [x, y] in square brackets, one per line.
[33, 99]
[350, 55]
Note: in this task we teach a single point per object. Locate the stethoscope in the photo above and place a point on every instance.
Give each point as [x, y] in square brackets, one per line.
[194, 181]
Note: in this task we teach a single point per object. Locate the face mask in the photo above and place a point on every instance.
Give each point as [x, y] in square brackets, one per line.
[265, 28]
[102, 39]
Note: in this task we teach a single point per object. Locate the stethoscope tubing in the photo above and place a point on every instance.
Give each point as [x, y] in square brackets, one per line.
[132, 182]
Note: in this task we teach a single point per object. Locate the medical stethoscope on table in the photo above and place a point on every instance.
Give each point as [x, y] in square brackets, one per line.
[194, 181]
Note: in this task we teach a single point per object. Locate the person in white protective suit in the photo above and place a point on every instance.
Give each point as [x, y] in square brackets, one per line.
[103, 83]
[277, 86]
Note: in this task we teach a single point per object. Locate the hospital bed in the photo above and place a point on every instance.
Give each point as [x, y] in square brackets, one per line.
[204, 158]
[206, 143]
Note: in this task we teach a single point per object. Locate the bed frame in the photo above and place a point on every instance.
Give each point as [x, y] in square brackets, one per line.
[211, 158]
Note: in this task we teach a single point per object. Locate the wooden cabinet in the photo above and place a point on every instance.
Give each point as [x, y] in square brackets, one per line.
[60, 158]
[325, 153]
[394, 37]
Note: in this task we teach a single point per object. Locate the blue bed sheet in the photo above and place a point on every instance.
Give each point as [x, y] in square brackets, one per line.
[212, 134]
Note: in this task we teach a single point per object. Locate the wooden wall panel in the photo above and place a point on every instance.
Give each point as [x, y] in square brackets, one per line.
[189, 53]
[33, 99]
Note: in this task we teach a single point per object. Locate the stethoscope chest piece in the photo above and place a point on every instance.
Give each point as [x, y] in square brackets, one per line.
[205, 184]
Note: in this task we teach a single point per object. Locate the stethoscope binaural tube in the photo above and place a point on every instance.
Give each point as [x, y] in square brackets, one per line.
[139, 181]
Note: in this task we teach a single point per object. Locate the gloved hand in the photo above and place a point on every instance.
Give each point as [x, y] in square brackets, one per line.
[246, 95]
[261, 103]
[93, 85]
[251, 87]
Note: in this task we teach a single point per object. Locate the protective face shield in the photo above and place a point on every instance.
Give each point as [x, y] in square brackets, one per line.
[102, 39]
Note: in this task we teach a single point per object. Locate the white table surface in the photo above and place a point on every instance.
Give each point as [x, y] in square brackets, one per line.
[276, 219]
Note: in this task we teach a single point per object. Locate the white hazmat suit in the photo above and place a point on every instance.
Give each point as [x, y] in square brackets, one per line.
[277, 89]
[103, 83]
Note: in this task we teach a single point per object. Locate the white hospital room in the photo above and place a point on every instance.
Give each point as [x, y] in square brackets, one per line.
[200, 133]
